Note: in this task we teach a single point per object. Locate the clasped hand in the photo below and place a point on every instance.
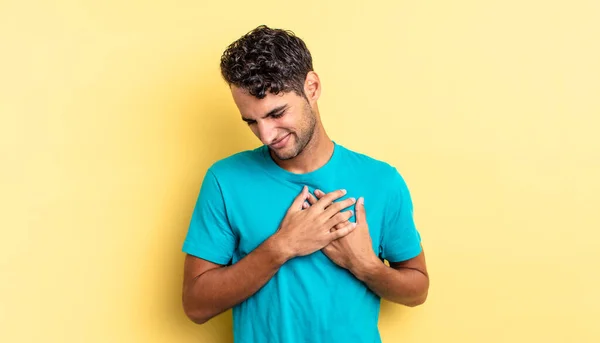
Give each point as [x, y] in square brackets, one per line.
[316, 222]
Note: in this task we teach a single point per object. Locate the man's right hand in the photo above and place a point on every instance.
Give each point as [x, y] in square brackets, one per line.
[304, 231]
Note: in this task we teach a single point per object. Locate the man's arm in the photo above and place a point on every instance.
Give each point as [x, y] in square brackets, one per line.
[404, 283]
[210, 289]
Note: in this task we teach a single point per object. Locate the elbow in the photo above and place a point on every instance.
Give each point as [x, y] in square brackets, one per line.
[198, 319]
[421, 294]
[417, 301]
[196, 314]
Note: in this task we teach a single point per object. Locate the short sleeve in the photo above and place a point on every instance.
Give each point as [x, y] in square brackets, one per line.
[400, 240]
[209, 235]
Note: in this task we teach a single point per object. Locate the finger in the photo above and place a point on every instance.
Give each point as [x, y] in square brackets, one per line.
[328, 198]
[311, 199]
[337, 234]
[338, 218]
[338, 206]
[319, 193]
[305, 205]
[297, 204]
[361, 216]
[340, 225]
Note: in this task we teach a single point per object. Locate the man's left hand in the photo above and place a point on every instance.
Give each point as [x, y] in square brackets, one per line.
[354, 251]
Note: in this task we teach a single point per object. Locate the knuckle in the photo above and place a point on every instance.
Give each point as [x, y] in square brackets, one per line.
[322, 221]
[329, 197]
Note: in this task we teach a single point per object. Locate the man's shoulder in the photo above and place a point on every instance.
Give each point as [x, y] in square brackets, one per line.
[381, 173]
[237, 162]
[368, 163]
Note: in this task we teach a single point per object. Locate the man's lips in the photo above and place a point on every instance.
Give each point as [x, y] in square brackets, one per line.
[281, 142]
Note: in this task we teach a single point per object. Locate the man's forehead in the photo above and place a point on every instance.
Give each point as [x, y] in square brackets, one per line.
[252, 107]
[240, 91]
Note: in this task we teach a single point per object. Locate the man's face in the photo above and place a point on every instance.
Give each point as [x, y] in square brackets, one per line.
[284, 122]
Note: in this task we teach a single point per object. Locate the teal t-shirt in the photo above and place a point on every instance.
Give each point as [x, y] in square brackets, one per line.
[242, 201]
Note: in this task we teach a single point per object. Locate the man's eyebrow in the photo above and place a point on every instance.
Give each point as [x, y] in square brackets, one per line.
[271, 112]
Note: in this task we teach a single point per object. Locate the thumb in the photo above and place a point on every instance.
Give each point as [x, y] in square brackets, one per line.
[299, 200]
[359, 208]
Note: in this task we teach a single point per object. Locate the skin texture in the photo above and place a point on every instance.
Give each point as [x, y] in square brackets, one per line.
[313, 222]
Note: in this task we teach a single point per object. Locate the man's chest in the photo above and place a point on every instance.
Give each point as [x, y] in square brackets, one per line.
[257, 213]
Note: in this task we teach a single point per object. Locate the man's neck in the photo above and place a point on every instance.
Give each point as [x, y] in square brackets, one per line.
[315, 155]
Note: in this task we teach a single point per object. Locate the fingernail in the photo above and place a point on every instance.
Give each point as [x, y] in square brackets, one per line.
[361, 201]
[344, 191]
[353, 200]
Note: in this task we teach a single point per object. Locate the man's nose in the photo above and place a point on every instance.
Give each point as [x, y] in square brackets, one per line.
[266, 132]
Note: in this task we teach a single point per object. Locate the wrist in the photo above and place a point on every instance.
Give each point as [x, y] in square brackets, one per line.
[282, 252]
[367, 268]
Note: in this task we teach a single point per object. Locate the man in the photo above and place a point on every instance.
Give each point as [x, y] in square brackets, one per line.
[281, 233]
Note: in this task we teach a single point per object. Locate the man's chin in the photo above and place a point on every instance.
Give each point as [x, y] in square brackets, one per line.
[287, 154]
[284, 157]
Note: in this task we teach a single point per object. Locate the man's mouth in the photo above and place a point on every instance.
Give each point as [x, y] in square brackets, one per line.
[281, 142]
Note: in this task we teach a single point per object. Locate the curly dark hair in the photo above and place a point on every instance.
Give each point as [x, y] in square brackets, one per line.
[267, 60]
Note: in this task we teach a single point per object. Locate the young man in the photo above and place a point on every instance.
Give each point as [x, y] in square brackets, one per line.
[281, 233]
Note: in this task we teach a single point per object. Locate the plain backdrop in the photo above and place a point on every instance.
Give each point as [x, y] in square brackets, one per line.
[111, 112]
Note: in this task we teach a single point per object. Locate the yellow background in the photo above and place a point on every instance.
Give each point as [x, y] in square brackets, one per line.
[111, 112]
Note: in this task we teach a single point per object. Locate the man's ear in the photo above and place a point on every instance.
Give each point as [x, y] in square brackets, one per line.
[312, 87]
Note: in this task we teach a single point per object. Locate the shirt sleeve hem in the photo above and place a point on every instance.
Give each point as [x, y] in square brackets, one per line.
[406, 255]
[204, 254]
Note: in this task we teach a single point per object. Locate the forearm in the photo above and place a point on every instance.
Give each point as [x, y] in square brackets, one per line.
[404, 286]
[220, 289]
